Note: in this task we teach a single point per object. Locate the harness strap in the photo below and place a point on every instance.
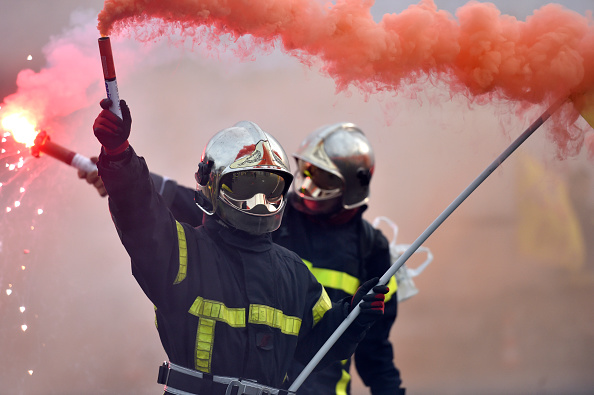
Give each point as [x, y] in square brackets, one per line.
[183, 381]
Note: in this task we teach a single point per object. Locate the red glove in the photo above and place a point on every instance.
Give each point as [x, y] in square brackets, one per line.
[111, 131]
[372, 307]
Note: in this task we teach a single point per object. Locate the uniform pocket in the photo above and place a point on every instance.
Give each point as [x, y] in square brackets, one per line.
[265, 340]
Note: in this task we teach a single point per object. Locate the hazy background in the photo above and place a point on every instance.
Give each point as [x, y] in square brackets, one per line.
[505, 307]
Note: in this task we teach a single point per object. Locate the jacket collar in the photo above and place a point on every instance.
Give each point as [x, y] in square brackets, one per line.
[235, 237]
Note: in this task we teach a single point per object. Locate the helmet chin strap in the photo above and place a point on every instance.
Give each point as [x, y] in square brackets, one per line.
[203, 203]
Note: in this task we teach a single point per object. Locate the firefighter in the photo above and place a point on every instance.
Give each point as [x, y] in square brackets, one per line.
[233, 309]
[323, 224]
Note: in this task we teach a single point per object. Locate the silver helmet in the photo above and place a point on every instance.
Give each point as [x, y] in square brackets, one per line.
[335, 165]
[244, 175]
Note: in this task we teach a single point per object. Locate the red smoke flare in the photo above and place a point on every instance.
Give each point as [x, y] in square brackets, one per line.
[481, 53]
[60, 88]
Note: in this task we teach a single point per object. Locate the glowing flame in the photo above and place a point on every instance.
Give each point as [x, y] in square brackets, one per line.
[22, 129]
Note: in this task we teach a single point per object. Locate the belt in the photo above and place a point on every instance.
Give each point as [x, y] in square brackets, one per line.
[183, 381]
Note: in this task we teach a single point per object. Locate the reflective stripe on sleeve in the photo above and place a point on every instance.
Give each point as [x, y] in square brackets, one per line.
[183, 254]
[393, 286]
[321, 307]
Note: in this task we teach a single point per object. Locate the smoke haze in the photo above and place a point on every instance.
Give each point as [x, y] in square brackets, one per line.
[498, 311]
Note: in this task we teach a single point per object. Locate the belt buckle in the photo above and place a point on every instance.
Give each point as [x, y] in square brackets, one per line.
[233, 384]
[247, 388]
[163, 376]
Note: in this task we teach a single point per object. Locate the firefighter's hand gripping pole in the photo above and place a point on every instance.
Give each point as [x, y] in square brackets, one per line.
[111, 85]
[424, 236]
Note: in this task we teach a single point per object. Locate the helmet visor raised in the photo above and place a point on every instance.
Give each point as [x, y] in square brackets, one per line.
[255, 191]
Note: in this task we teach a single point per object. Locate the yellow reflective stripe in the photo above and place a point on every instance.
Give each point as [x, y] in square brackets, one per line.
[209, 312]
[204, 344]
[321, 307]
[234, 317]
[183, 254]
[393, 286]
[343, 281]
[341, 386]
[274, 318]
[334, 279]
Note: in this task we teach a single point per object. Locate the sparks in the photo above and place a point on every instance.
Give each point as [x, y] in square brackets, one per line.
[24, 327]
[23, 130]
[22, 309]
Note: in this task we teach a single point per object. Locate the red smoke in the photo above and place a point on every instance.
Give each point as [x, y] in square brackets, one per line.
[480, 52]
[60, 88]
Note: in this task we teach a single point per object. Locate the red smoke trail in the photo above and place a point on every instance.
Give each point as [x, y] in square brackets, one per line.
[480, 53]
[552, 53]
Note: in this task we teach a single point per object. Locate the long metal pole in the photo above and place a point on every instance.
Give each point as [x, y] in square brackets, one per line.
[424, 236]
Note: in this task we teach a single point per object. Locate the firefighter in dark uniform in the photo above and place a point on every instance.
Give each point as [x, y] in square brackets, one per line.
[323, 224]
[232, 308]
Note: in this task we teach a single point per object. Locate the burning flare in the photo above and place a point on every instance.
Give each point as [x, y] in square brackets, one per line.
[22, 129]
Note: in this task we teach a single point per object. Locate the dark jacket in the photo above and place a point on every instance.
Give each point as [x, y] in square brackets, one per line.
[227, 303]
[342, 257]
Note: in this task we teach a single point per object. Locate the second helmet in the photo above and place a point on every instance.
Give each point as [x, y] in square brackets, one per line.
[335, 165]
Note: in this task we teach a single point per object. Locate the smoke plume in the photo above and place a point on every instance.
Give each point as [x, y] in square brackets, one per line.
[480, 52]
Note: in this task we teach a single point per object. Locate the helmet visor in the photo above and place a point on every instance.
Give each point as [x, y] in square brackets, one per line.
[256, 192]
[312, 182]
